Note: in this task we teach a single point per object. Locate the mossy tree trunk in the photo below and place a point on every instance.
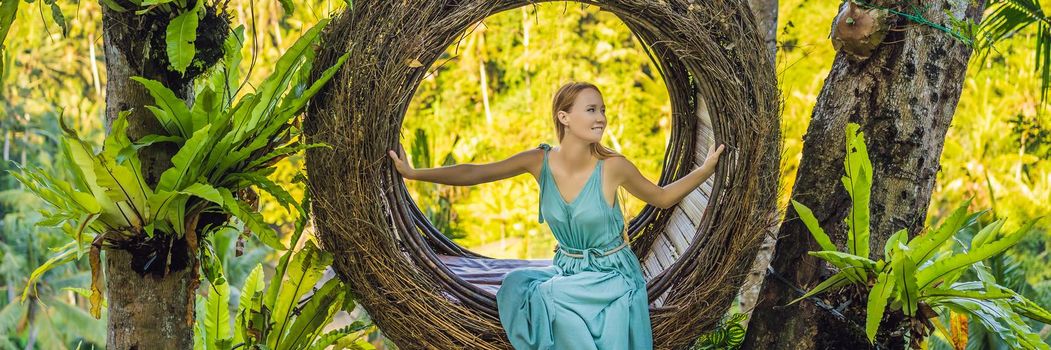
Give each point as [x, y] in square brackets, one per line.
[150, 283]
[145, 310]
[903, 95]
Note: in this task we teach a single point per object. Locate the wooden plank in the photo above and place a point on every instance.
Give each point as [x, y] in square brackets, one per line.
[658, 253]
[702, 202]
[650, 267]
[680, 239]
[672, 253]
[690, 207]
[662, 253]
[707, 185]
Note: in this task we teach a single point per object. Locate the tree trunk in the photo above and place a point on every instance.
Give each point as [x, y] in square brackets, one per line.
[149, 308]
[903, 96]
[147, 311]
[766, 19]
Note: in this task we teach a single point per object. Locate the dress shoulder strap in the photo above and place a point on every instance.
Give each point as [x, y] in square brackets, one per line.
[543, 182]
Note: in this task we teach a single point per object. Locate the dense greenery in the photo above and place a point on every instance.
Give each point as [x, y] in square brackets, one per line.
[224, 148]
[919, 277]
[487, 98]
[291, 312]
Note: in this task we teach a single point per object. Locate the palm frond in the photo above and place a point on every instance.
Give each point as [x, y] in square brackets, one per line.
[1011, 16]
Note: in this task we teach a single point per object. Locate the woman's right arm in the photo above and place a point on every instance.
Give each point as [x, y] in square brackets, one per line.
[468, 174]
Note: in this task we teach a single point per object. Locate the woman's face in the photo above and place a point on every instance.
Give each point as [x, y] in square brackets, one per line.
[587, 118]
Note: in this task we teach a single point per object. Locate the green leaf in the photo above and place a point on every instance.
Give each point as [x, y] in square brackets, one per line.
[813, 226]
[1009, 17]
[330, 338]
[273, 86]
[922, 247]
[154, 2]
[177, 120]
[1028, 308]
[903, 272]
[280, 194]
[177, 214]
[858, 183]
[314, 315]
[217, 317]
[283, 261]
[997, 317]
[65, 255]
[838, 280]
[249, 303]
[8, 10]
[226, 84]
[879, 296]
[87, 201]
[205, 105]
[304, 271]
[856, 267]
[342, 335]
[56, 14]
[288, 6]
[83, 166]
[123, 181]
[252, 219]
[113, 5]
[295, 106]
[986, 233]
[945, 266]
[282, 152]
[954, 292]
[204, 191]
[149, 140]
[253, 285]
[186, 165]
[896, 239]
[180, 36]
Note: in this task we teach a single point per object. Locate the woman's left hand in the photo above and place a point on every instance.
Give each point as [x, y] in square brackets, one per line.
[713, 156]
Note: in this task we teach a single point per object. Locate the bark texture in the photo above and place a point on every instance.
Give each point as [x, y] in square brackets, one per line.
[148, 311]
[766, 20]
[904, 97]
[148, 308]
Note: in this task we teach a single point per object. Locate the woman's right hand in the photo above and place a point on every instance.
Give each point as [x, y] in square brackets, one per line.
[401, 163]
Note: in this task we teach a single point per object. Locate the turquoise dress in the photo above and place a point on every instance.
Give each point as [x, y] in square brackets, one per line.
[578, 303]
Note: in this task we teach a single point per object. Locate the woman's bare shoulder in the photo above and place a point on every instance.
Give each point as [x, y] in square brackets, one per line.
[536, 158]
[619, 167]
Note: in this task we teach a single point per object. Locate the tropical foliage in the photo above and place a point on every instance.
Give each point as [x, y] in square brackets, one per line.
[224, 147]
[997, 152]
[920, 276]
[728, 334]
[290, 312]
[54, 315]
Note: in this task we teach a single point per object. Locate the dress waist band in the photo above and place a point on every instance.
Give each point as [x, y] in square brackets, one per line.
[590, 250]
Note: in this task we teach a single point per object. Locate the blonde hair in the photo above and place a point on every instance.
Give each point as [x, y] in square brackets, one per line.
[563, 101]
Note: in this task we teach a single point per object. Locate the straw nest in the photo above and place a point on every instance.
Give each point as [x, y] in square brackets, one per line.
[712, 59]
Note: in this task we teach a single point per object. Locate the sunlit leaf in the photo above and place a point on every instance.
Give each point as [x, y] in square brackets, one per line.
[180, 37]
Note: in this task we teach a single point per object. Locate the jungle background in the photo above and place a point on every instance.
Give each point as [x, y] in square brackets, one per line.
[488, 98]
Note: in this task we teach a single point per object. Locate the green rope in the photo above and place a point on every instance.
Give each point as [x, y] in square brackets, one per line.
[917, 17]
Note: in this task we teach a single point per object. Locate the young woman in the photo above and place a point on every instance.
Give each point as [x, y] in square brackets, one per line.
[593, 296]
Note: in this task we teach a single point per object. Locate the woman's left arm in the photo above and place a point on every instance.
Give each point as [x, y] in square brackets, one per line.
[670, 194]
